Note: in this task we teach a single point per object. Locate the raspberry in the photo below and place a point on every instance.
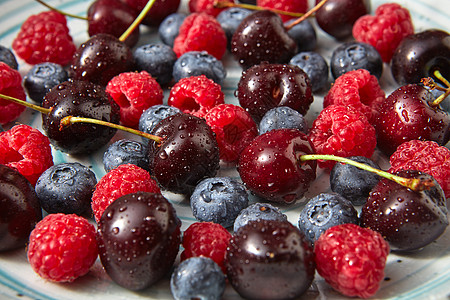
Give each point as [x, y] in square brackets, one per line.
[196, 95]
[134, 93]
[10, 85]
[234, 129]
[425, 156]
[351, 259]
[342, 131]
[296, 6]
[27, 150]
[206, 239]
[358, 89]
[385, 30]
[125, 179]
[201, 32]
[206, 6]
[44, 38]
[62, 247]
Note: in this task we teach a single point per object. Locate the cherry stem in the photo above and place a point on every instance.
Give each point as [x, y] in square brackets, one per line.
[225, 4]
[307, 15]
[415, 184]
[27, 104]
[69, 120]
[137, 21]
[429, 82]
[61, 12]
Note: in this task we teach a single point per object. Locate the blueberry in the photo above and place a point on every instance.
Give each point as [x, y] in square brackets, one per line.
[153, 115]
[157, 60]
[125, 152]
[7, 56]
[170, 27]
[353, 56]
[42, 78]
[230, 19]
[282, 117]
[354, 183]
[218, 200]
[66, 188]
[304, 34]
[195, 63]
[258, 211]
[325, 211]
[197, 278]
[315, 66]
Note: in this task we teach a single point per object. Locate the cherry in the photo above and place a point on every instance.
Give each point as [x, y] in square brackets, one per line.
[336, 17]
[261, 36]
[420, 55]
[265, 86]
[270, 259]
[407, 114]
[139, 239]
[407, 219]
[19, 209]
[112, 17]
[159, 11]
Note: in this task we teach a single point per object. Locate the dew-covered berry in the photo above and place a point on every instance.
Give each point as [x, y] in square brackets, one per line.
[218, 200]
[197, 278]
[195, 63]
[230, 19]
[352, 182]
[303, 34]
[125, 152]
[42, 78]
[170, 27]
[314, 66]
[8, 57]
[258, 211]
[66, 188]
[282, 117]
[325, 211]
[153, 115]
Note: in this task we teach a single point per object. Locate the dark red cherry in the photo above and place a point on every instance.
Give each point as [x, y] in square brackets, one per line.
[261, 36]
[270, 167]
[419, 55]
[101, 58]
[408, 220]
[407, 115]
[139, 238]
[269, 259]
[187, 154]
[159, 11]
[19, 209]
[336, 17]
[265, 86]
[82, 99]
[112, 17]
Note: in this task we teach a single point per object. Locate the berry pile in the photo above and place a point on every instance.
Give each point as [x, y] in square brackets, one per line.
[234, 185]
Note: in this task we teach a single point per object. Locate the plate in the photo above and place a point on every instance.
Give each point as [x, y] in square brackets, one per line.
[420, 275]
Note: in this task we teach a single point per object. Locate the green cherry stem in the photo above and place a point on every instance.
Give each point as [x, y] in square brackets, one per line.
[306, 15]
[26, 104]
[61, 12]
[414, 184]
[137, 21]
[69, 120]
[446, 91]
[226, 4]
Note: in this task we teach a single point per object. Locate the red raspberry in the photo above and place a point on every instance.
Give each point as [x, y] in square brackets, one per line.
[351, 259]
[134, 93]
[342, 131]
[10, 85]
[123, 180]
[62, 247]
[201, 32]
[27, 150]
[296, 6]
[206, 6]
[425, 156]
[206, 239]
[196, 95]
[44, 38]
[385, 30]
[358, 89]
[234, 129]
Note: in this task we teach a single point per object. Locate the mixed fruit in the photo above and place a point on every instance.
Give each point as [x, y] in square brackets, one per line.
[237, 163]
